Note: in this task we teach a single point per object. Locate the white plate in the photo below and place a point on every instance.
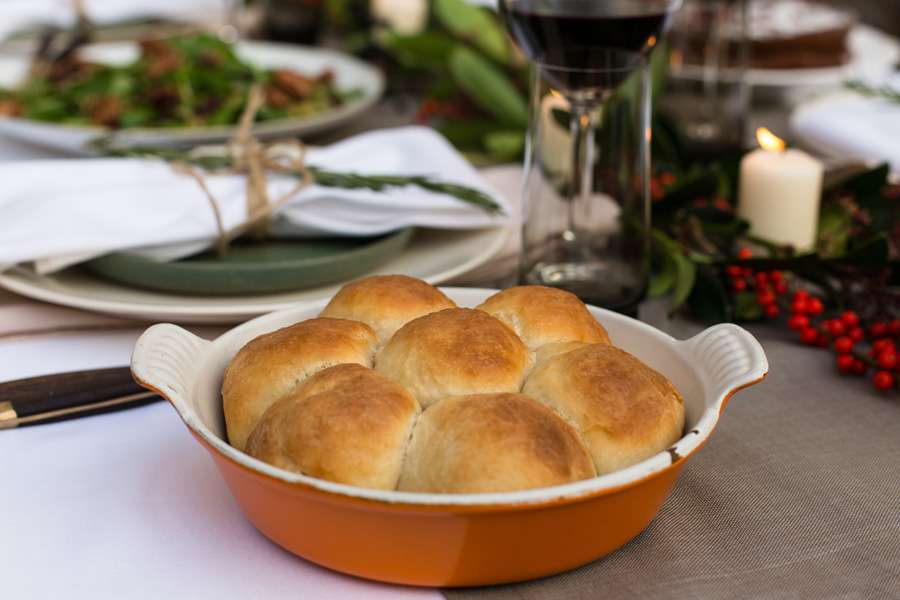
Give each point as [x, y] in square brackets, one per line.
[350, 73]
[432, 255]
[872, 53]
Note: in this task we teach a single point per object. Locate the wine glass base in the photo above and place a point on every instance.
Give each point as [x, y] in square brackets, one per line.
[611, 284]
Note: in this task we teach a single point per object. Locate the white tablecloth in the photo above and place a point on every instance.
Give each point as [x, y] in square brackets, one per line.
[127, 505]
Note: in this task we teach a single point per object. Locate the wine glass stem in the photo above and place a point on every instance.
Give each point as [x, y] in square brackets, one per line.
[581, 127]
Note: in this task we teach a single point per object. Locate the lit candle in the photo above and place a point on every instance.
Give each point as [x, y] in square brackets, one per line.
[780, 192]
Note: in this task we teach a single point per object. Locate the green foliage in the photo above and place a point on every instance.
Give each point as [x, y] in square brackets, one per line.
[746, 308]
[863, 184]
[506, 145]
[488, 87]
[685, 277]
[709, 301]
[677, 273]
[427, 50]
[856, 220]
[475, 25]
[347, 180]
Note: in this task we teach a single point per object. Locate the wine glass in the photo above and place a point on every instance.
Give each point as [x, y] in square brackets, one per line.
[586, 223]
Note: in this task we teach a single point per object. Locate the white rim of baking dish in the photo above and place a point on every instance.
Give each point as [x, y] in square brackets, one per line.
[725, 358]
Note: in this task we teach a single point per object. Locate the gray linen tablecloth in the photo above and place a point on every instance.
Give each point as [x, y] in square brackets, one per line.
[796, 495]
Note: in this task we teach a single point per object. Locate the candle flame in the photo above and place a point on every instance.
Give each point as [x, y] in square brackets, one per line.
[769, 141]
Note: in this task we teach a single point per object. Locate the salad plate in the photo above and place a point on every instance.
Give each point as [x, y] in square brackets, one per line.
[361, 83]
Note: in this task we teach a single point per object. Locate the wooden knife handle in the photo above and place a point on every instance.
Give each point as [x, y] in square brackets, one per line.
[68, 395]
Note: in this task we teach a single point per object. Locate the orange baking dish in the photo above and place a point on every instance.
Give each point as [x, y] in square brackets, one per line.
[451, 539]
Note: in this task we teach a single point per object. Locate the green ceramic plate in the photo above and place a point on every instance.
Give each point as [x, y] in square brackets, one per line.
[256, 267]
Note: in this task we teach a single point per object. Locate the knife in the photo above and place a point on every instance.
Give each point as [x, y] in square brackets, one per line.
[63, 396]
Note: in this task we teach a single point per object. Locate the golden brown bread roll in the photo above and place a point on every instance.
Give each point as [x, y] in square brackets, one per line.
[339, 399]
[544, 315]
[346, 424]
[492, 443]
[548, 351]
[272, 365]
[386, 302]
[454, 352]
[624, 410]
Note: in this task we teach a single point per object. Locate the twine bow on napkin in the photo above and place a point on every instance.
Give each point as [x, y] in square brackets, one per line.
[254, 159]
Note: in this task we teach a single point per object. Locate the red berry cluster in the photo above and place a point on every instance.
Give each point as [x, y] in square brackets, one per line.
[768, 285]
[719, 203]
[844, 334]
[659, 184]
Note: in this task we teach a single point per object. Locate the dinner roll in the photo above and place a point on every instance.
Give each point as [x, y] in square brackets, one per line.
[624, 410]
[271, 366]
[346, 424]
[454, 352]
[386, 302]
[492, 443]
[544, 315]
[548, 351]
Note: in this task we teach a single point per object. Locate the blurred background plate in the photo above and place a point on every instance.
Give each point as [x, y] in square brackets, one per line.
[433, 255]
[873, 53]
[255, 267]
[350, 73]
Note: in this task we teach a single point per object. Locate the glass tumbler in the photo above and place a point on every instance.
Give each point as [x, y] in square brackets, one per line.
[586, 206]
[707, 93]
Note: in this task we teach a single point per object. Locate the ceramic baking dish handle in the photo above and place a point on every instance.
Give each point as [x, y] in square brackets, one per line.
[165, 360]
[729, 357]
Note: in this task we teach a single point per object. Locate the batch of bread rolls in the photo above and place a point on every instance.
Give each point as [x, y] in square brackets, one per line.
[394, 387]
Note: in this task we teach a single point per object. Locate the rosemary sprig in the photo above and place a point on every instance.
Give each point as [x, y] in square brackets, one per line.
[884, 92]
[345, 180]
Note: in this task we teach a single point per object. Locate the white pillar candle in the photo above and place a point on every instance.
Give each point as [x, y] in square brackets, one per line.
[780, 192]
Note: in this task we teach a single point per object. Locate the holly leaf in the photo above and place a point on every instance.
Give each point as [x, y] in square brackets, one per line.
[663, 279]
[894, 278]
[866, 183]
[685, 276]
[709, 300]
[695, 184]
[746, 308]
[874, 252]
[667, 143]
[834, 230]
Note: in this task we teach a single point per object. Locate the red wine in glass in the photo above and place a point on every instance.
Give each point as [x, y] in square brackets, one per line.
[584, 233]
[583, 44]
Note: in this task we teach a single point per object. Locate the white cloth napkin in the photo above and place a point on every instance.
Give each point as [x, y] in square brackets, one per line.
[56, 212]
[128, 505]
[852, 126]
[17, 15]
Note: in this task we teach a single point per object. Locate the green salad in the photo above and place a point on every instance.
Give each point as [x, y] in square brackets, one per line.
[186, 81]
